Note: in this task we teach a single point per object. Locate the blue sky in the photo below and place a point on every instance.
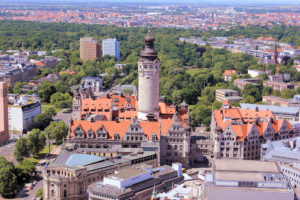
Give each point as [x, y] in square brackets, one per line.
[234, 2]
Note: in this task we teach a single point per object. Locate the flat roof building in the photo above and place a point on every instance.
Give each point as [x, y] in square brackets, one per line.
[136, 182]
[239, 179]
[227, 95]
[90, 49]
[111, 46]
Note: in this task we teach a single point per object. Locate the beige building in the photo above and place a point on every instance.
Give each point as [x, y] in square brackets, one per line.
[239, 133]
[69, 176]
[4, 136]
[239, 179]
[90, 49]
[227, 95]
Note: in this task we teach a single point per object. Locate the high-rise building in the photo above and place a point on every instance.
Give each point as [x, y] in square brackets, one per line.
[89, 49]
[110, 46]
[148, 69]
[4, 136]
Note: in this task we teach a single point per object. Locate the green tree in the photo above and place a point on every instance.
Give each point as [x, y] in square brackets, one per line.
[18, 88]
[36, 141]
[61, 100]
[252, 90]
[267, 91]
[24, 170]
[45, 90]
[21, 149]
[8, 178]
[57, 131]
[288, 93]
[42, 120]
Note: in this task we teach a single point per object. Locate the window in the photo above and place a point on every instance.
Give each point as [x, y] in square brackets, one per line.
[65, 193]
[52, 193]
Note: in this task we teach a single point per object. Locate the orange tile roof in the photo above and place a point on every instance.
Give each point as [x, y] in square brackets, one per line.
[121, 127]
[248, 118]
[229, 72]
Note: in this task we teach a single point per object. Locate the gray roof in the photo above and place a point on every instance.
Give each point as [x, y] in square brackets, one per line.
[274, 109]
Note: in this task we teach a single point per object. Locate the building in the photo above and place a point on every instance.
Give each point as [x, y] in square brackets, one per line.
[285, 151]
[18, 73]
[111, 46]
[148, 70]
[4, 134]
[93, 82]
[275, 85]
[291, 114]
[240, 83]
[239, 179]
[277, 101]
[89, 49]
[70, 175]
[287, 154]
[227, 95]
[239, 133]
[136, 182]
[21, 112]
[292, 173]
[255, 73]
[227, 74]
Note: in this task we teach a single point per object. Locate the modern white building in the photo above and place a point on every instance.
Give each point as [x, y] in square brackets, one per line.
[95, 83]
[255, 73]
[111, 47]
[22, 112]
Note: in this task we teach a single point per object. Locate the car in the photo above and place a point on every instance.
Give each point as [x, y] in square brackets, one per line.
[30, 187]
[34, 183]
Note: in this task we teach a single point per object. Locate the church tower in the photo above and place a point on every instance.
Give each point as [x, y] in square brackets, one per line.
[148, 69]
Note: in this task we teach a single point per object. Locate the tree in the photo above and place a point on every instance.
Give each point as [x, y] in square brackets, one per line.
[42, 120]
[57, 131]
[24, 170]
[8, 178]
[61, 100]
[252, 90]
[267, 91]
[45, 90]
[36, 141]
[288, 93]
[21, 149]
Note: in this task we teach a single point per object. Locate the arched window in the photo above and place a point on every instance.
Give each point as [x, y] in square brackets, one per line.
[52, 193]
[65, 193]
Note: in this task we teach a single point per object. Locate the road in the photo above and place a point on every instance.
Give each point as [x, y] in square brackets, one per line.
[25, 193]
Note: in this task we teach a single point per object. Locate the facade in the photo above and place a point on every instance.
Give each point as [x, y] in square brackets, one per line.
[227, 95]
[287, 154]
[136, 182]
[239, 179]
[292, 173]
[289, 113]
[275, 85]
[277, 101]
[21, 112]
[4, 134]
[285, 151]
[255, 73]
[18, 73]
[90, 49]
[93, 82]
[239, 133]
[240, 83]
[111, 47]
[148, 70]
[70, 175]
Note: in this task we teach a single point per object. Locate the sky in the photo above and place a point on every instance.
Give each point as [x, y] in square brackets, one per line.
[232, 2]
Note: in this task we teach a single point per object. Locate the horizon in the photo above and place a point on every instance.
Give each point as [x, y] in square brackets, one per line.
[158, 2]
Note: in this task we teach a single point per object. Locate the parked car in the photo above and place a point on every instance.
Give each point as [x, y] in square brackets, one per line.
[30, 187]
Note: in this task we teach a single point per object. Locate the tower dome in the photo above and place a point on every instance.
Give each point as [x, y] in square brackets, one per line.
[149, 52]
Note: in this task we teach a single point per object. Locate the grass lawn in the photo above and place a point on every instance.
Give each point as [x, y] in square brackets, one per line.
[35, 159]
[45, 106]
